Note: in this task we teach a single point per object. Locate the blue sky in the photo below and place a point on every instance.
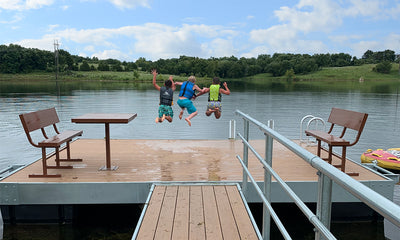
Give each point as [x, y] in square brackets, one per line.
[154, 29]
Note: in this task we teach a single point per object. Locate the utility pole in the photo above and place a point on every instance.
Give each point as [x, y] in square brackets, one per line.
[56, 57]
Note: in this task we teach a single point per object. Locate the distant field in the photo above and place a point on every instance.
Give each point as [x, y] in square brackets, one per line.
[334, 73]
[342, 73]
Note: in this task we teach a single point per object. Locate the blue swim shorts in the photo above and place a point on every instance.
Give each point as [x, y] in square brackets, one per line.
[188, 104]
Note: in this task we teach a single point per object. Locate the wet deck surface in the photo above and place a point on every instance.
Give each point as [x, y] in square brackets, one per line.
[175, 160]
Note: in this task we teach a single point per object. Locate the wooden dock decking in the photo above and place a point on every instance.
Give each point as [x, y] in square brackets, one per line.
[196, 212]
[175, 160]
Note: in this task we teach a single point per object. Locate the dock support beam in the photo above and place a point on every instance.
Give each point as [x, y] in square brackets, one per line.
[1, 226]
[324, 204]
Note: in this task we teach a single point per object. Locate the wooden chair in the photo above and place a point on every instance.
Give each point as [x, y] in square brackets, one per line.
[40, 120]
[345, 119]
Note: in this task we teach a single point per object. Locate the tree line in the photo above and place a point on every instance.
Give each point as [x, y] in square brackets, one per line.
[17, 59]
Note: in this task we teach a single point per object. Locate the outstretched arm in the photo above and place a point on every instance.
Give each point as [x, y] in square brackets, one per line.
[154, 72]
[173, 84]
[226, 90]
[202, 91]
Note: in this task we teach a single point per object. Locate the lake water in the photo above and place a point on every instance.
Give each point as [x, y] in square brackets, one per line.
[285, 107]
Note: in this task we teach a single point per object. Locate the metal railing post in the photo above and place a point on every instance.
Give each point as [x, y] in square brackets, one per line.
[266, 229]
[245, 155]
[232, 129]
[324, 204]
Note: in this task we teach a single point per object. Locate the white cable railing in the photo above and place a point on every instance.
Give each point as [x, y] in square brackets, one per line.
[326, 175]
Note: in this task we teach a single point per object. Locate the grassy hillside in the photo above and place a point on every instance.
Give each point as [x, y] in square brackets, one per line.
[352, 73]
[341, 73]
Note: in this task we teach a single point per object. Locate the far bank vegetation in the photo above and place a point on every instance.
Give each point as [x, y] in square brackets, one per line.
[15, 59]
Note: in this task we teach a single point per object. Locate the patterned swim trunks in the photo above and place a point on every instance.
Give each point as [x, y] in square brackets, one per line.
[214, 104]
[165, 110]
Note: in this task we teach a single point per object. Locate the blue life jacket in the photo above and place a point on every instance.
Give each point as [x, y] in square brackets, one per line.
[187, 90]
[166, 96]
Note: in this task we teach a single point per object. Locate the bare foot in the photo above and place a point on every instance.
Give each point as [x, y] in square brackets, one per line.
[180, 115]
[169, 118]
[163, 117]
[188, 121]
[157, 121]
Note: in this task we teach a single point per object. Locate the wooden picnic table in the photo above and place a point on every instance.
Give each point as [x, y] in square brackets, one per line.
[106, 119]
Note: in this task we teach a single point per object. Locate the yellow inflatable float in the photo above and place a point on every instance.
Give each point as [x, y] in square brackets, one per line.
[389, 159]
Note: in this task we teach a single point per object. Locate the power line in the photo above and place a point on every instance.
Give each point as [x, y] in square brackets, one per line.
[56, 57]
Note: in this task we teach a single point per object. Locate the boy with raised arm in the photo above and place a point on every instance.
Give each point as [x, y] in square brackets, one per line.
[166, 98]
[214, 97]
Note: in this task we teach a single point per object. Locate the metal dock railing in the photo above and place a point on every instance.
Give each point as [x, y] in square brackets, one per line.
[327, 174]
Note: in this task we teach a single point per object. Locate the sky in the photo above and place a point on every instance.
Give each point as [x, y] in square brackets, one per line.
[163, 29]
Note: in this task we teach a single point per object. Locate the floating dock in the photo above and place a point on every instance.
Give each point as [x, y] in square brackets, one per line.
[143, 163]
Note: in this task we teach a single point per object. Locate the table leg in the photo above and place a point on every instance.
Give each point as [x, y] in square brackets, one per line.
[108, 151]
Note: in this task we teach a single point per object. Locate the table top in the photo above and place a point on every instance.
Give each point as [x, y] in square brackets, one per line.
[105, 118]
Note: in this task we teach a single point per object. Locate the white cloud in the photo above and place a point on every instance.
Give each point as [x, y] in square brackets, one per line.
[364, 8]
[152, 40]
[35, 4]
[394, 12]
[162, 41]
[96, 36]
[89, 48]
[275, 36]
[321, 17]
[345, 38]
[130, 3]
[16, 18]
[114, 54]
[44, 43]
[309, 16]
[257, 51]
[10, 4]
[24, 5]
[52, 27]
[361, 47]
[392, 41]
[219, 48]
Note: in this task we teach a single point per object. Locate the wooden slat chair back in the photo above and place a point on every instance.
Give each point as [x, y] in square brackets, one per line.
[345, 119]
[348, 119]
[40, 120]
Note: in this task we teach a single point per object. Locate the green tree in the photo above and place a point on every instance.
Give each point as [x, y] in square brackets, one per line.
[136, 75]
[289, 75]
[383, 67]
[84, 66]
[103, 66]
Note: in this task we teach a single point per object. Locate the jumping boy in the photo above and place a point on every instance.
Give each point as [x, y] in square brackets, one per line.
[214, 97]
[186, 94]
[166, 98]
